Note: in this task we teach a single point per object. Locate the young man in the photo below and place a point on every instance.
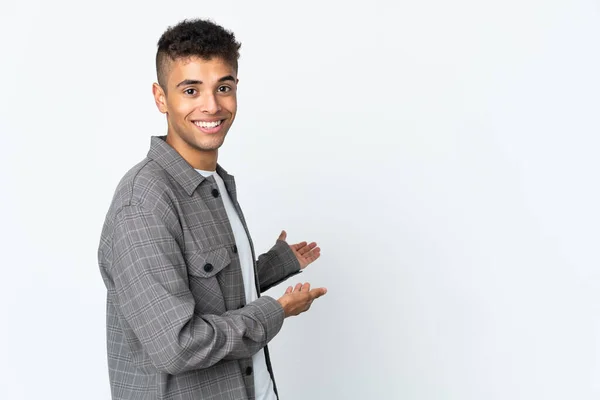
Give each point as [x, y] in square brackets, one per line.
[184, 315]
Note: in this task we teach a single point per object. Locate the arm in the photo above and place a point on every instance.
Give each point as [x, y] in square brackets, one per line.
[276, 265]
[152, 294]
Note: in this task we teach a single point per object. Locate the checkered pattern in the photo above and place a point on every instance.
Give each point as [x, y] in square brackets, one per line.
[177, 323]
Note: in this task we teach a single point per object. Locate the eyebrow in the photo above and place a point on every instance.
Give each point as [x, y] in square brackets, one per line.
[197, 82]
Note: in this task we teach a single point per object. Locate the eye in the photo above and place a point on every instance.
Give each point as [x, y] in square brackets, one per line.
[190, 91]
[224, 89]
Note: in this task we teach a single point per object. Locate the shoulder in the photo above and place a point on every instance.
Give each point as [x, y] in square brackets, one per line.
[146, 185]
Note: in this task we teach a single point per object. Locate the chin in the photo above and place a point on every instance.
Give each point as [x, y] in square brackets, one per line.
[209, 145]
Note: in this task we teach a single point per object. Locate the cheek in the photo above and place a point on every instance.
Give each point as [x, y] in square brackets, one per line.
[181, 109]
[230, 104]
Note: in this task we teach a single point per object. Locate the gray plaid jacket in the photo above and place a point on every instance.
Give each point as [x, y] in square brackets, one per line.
[177, 323]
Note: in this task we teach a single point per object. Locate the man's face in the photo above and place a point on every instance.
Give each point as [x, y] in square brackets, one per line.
[200, 104]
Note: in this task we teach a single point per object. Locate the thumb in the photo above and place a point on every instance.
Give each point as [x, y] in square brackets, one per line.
[318, 292]
[282, 235]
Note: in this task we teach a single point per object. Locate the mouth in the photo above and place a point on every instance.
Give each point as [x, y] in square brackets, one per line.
[209, 126]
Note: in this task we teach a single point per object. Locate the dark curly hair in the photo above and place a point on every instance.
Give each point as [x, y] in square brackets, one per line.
[195, 38]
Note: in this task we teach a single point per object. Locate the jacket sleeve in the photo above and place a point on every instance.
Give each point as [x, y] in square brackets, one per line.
[153, 297]
[276, 265]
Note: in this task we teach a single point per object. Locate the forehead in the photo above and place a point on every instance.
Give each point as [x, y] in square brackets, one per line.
[196, 68]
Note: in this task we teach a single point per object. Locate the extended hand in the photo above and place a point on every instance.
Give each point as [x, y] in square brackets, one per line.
[305, 252]
[299, 299]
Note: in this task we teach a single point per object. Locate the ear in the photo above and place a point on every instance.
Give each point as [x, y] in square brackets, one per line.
[160, 98]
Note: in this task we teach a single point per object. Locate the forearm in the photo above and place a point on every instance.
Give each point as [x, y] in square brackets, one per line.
[205, 340]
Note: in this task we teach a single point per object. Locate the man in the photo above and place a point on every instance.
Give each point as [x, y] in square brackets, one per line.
[184, 315]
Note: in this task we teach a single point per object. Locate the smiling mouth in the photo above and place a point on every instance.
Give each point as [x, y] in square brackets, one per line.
[208, 125]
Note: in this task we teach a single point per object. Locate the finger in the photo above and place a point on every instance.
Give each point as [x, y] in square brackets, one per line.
[295, 247]
[282, 235]
[313, 255]
[301, 246]
[306, 287]
[305, 248]
[298, 287]
[289, 290]
[298, 246]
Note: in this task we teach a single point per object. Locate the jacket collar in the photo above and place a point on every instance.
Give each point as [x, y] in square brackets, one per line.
[172, 162]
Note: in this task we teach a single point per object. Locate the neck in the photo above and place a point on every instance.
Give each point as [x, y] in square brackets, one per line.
[205, 160]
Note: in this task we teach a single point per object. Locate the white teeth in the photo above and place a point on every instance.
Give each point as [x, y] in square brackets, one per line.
[203, 124]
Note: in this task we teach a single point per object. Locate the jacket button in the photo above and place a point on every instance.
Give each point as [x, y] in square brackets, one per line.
[208, 267]
[234, 248]
[249, 371]
[215, 193]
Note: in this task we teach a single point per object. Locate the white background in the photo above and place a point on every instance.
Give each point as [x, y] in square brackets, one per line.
[443, 155]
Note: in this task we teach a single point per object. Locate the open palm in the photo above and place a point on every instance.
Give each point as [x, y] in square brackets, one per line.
[305, 252]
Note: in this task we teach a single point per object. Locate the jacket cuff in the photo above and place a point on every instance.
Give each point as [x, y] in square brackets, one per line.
[290, 263]
[270, 313]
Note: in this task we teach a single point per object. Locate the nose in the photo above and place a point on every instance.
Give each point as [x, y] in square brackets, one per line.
[210, 104]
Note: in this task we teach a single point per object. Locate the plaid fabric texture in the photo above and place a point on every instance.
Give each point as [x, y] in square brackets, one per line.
[177, 323]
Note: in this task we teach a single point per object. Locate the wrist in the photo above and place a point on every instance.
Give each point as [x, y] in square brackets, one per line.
[283, 302]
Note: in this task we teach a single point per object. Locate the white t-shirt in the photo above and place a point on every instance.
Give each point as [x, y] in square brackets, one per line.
[263, 385]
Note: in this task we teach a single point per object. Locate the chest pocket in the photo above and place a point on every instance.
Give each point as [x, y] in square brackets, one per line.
[204, 268]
